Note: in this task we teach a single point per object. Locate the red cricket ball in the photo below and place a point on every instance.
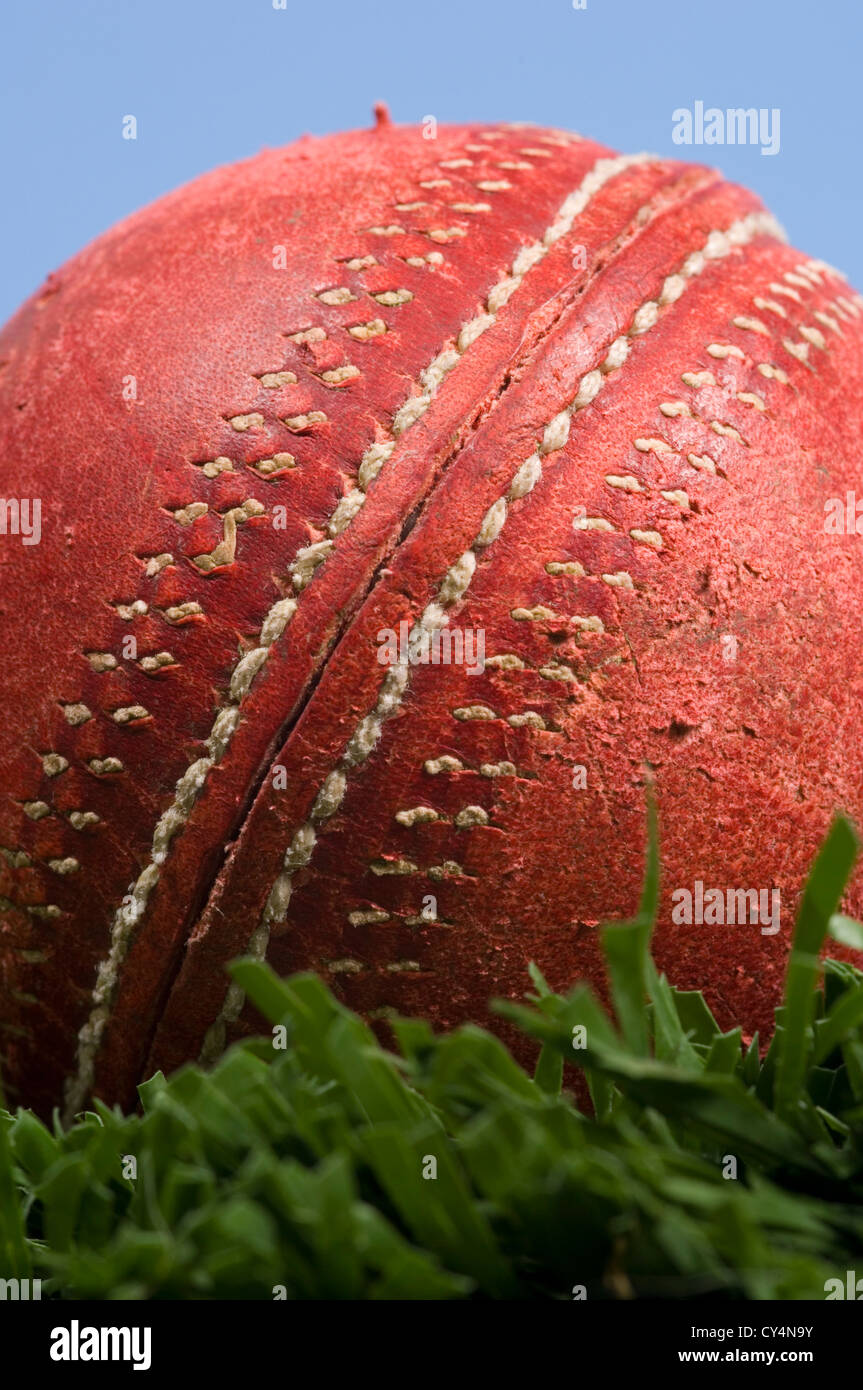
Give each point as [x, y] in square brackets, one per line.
[400, 502]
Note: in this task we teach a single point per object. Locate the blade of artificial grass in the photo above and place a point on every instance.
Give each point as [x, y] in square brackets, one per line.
[671, 1039]
[625, 947]
[321, 1206]
[251, 1086]
[670, 1036]
[325, 1032]
[438, 1211]
[406, 1272]
[718, 1103]
[548, 1074]
[695, 1017]
[149, 1090]
[852, 1055]
[14, 1253]
[821, 897]
[32, 1145]
[549, 1068]
[414, 1037]
[61, 1194]
[471, 1069]
[200, 1103]
[725, 1054]
[846, 931]
[555, 1022]
[752, 1062]
[838, 978]
[275, 998]
[841, 1022]
[371, 1075]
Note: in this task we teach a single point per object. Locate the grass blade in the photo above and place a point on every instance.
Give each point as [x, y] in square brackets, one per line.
[821, 898]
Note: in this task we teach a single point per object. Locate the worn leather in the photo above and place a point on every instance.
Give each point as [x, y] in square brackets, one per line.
[750, 756]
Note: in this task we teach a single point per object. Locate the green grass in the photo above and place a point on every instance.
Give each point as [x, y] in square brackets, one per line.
[306, 1166]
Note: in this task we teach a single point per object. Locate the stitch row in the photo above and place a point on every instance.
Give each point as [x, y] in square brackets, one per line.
[191, 784]
[453, 588]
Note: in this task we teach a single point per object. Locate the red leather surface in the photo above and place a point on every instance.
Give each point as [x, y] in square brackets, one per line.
[750, 756]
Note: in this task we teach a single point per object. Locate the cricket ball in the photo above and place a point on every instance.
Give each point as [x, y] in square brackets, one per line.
[378, 515]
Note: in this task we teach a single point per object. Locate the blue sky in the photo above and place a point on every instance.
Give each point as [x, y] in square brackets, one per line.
[211, 81]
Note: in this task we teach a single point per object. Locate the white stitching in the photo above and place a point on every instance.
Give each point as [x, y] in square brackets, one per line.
[127, 916]
[451, 589]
